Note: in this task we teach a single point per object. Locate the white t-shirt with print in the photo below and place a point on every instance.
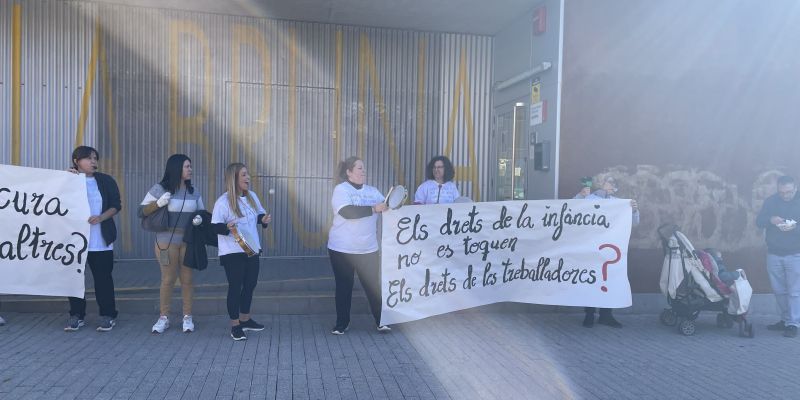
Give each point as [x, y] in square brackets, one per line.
[96, 240]
[428, 192]
[248, 225]
[354, 236]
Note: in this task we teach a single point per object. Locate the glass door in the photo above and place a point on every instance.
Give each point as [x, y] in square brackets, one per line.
[512, 153]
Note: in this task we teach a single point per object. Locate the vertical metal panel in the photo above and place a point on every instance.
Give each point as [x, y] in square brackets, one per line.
[5, 81]
[135, 133]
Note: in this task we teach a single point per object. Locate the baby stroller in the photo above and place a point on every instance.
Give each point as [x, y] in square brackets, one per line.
[689, 279]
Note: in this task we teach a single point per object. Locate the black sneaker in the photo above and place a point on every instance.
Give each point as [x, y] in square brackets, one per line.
[237, 333]
[778, 326]
[251, 325]
[74, 323]
[106, 324]
[609, 321]
[588, 321]
[790, 331]
[338, 330]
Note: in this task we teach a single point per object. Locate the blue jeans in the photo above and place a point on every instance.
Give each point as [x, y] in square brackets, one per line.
[784, 276]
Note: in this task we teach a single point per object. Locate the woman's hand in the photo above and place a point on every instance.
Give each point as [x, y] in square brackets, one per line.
[95, 219]
[164, 199]
[267, 219]
[634, 205]
[72, 169]
[231, 225]
[379, 208]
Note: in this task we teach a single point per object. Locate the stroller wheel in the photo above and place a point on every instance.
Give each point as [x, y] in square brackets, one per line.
[668, 317]
[686, 327]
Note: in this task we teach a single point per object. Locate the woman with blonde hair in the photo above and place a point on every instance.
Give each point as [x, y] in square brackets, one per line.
[237, 214]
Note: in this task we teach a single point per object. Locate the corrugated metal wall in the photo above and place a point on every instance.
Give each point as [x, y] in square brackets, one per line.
[288, 98]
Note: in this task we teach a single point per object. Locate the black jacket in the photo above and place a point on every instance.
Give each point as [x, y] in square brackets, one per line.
[196, 239]
[780, 243]
[110, 191]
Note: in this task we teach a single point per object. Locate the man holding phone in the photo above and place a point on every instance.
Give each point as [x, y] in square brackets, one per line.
[779, 216]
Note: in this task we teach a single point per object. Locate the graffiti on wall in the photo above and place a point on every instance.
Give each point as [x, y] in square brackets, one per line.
[710, 210]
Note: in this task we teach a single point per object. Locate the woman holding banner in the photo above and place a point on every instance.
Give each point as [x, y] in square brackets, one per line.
[353, 242]
[237, 214]
[605, 192]
[176, 193]
[104, 202]
[439, 187]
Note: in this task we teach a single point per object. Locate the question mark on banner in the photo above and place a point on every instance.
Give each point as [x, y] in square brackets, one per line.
[607, 263]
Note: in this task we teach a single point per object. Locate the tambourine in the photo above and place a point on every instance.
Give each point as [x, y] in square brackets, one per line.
[240, 240]
[396, 197]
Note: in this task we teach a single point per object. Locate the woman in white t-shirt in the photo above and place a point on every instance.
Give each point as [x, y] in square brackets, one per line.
[239, 208]
[439, 187]
[353, 241]
[103, 195]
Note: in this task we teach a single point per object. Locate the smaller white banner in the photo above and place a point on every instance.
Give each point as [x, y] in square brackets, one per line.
[45, 234]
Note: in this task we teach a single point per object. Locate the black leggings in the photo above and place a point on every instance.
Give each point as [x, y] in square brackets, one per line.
[242, 273]
[102, 264]
[369, 274]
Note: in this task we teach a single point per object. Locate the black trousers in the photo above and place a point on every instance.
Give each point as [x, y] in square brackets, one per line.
[345, 265]
[101, 263]
[604, 312]
[242, 272]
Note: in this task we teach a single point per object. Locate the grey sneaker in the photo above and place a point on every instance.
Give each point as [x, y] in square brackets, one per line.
[106, 324]
[2, 321]
[73, 324]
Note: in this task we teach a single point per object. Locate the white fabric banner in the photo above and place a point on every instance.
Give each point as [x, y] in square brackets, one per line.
[45, 234]
[441, 258]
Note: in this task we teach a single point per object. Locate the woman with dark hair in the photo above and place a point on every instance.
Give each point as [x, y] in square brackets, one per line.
[238, 212]
[175, 191]
[439, 187]
[353, 242]
[104, 202]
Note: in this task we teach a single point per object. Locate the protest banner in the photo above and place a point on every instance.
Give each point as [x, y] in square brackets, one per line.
[45, 231]
[441, 258]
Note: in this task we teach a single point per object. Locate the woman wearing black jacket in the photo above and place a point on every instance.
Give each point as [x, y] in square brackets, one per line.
[104, 202]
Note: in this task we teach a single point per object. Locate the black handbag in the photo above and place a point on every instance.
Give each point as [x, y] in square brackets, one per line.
[157, 221]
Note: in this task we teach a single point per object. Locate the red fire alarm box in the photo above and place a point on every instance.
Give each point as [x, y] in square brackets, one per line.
[540, 20]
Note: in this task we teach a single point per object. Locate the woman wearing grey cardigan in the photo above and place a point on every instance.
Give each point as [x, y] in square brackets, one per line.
[175, 192]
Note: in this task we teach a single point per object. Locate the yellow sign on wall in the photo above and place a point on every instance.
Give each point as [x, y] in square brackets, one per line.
[536, 89]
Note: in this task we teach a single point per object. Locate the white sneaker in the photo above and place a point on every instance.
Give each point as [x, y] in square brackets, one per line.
[188, 325]
[161, 325]
[2, 321]
[384, 328]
